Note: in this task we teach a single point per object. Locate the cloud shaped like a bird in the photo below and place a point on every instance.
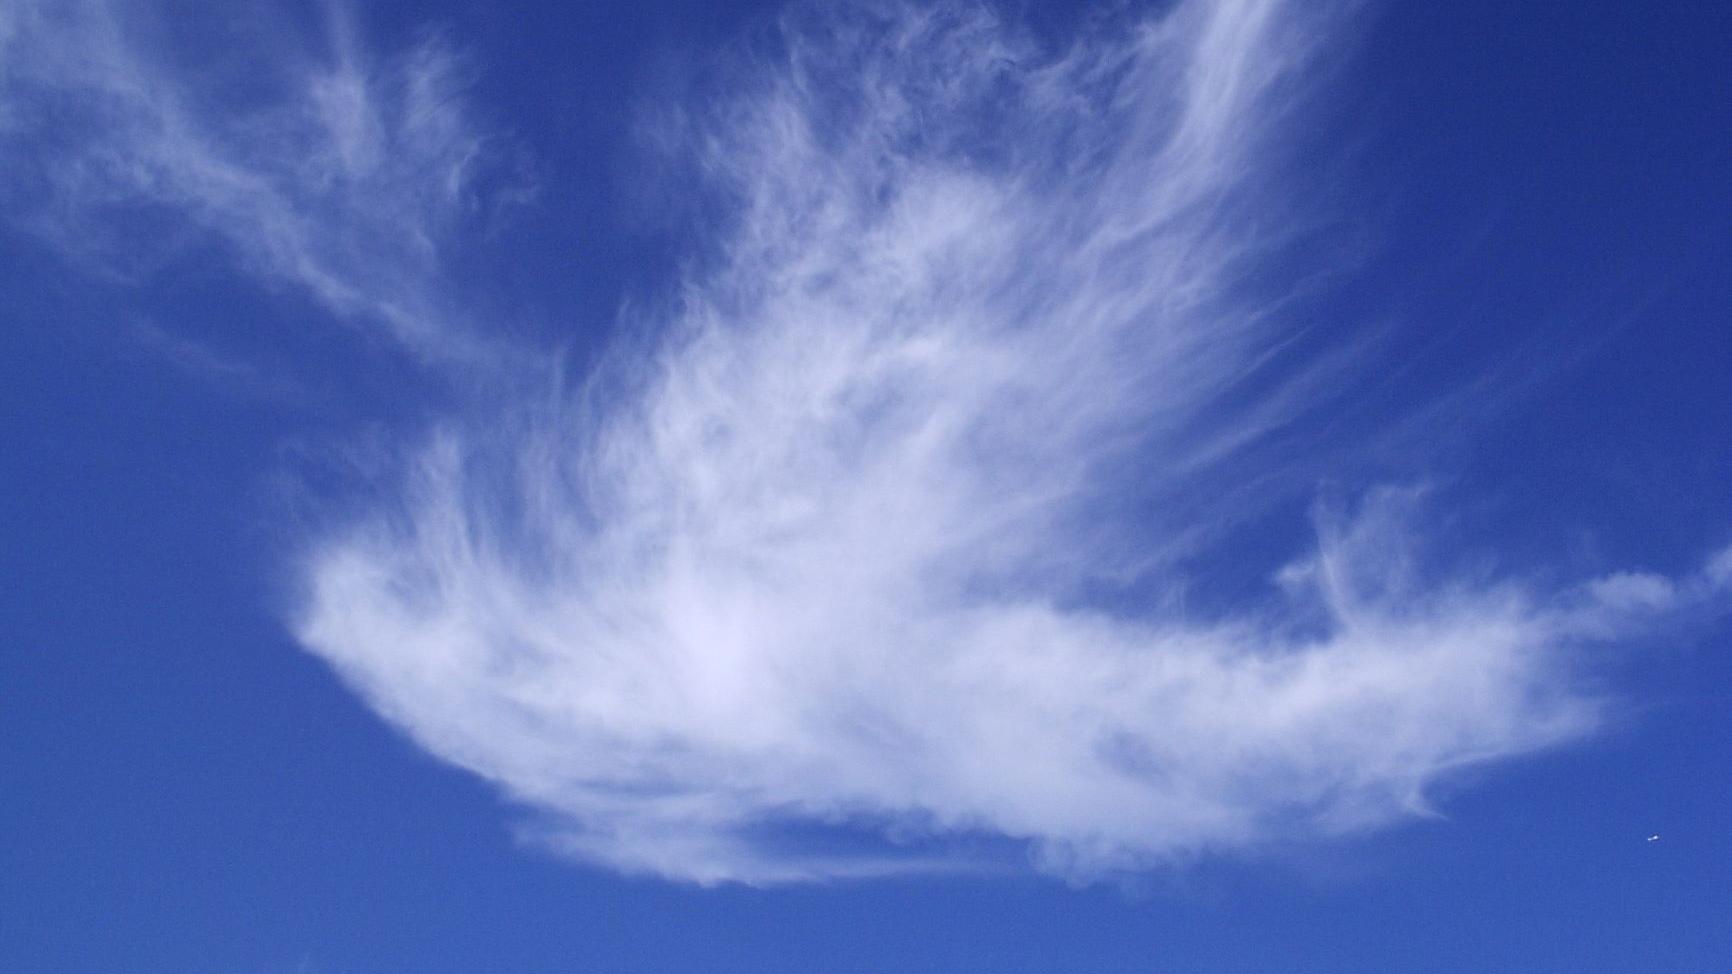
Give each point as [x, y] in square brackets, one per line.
[852, 554]
[819, 557]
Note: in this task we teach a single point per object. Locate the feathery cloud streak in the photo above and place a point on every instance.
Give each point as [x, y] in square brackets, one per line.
[341, 176]
[820, 554]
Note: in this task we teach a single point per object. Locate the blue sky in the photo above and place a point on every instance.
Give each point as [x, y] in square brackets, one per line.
[1223, 486]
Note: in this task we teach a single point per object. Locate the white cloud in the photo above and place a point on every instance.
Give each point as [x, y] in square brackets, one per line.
[1719, 570]
[342, 176]
[978, 336]
[861, 557]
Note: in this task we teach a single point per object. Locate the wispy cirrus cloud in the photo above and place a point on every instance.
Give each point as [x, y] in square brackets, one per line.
[858, 547]
[338, 174]
[976, 336]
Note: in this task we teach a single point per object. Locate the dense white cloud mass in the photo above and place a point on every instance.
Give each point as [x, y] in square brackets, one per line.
[820, 555]
[339, 175]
